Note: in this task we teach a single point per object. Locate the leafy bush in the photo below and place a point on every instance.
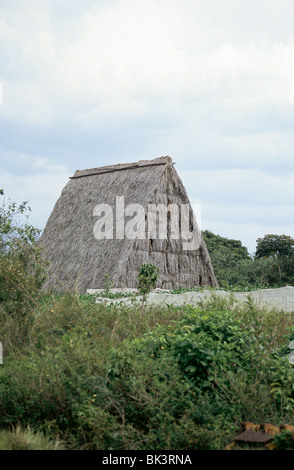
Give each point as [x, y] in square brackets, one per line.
[148, 274]
[283, 440]
[21, 273]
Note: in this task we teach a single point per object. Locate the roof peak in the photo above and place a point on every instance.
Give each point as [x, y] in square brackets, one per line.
[122, 166]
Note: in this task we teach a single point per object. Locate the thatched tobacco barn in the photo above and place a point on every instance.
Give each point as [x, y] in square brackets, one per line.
[88, 237]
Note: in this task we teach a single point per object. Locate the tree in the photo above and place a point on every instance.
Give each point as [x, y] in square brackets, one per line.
[272, 264]
[21, 270]
[14, 233]
[229, 258]
[279, 251]
[217, 243]
[274, 246]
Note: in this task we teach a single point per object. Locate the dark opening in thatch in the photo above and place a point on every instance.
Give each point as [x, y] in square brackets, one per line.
[80, 260]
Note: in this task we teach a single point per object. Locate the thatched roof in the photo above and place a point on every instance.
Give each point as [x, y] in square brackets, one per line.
[79, 261]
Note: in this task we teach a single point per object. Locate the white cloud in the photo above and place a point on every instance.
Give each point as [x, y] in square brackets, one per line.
[41, 190]
[208, 82]
[40, 183]
[134, 53]
[243, 204]
[236, 187]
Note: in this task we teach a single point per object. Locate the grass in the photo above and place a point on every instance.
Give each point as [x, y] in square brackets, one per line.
[26, 439]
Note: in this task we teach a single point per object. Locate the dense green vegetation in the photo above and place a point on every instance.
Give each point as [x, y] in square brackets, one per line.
[272, 264]
[83, 375]
[92, 376]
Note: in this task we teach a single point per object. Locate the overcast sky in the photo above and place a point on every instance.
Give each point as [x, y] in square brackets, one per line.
[86, 83]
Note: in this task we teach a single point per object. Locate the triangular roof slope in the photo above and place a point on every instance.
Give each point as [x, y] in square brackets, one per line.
[79, 261]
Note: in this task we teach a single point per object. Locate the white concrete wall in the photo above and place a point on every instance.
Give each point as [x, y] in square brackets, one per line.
[281, 299]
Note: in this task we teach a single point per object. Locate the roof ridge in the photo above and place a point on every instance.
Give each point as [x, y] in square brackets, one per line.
[121, 166]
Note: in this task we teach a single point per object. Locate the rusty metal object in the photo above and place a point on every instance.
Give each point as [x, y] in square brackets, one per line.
[261, 435]
[251, 436]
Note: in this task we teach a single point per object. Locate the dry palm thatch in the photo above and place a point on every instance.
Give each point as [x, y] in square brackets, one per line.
[79, 261]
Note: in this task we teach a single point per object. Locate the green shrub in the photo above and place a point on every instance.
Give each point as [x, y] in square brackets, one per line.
[203, 344]
[283, 441]
[21, 274]
[54, 389]
[148, 275]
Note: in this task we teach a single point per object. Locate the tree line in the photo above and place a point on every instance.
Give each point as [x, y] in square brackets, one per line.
[272, 264]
